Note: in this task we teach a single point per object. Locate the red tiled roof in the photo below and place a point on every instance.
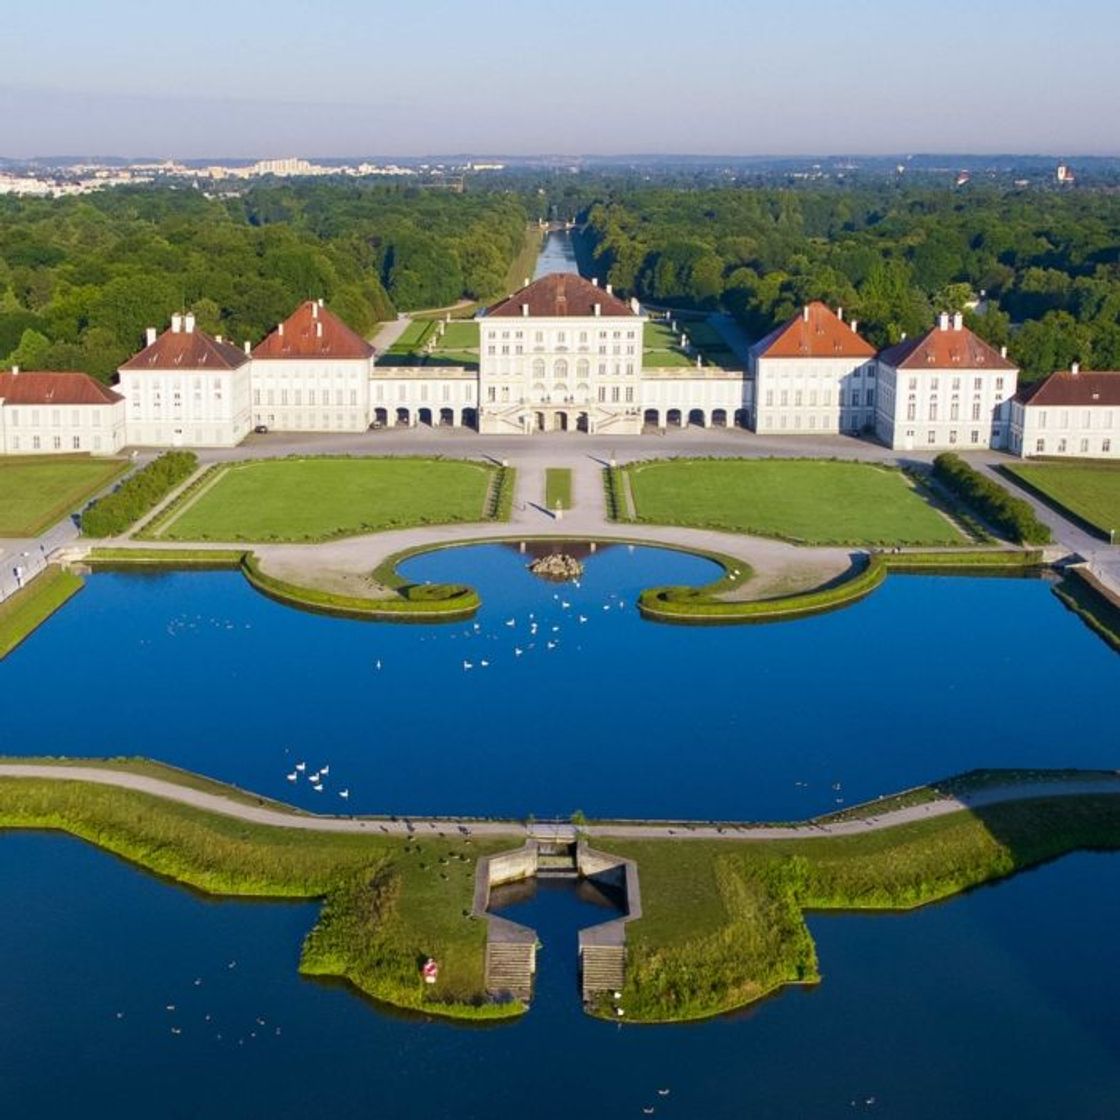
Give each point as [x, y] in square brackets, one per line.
[183, 349]
[949, 348]
[43, 387]
[1068, 389]
[561, 295]
[817, 332]
[311, 331]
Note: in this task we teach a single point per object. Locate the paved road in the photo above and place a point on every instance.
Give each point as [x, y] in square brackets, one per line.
[698, 830]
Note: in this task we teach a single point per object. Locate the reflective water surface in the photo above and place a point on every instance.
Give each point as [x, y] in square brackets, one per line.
[1000, 1003]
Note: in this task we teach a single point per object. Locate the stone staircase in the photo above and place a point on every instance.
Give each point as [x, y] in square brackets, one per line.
[604, 967]
[509, 968]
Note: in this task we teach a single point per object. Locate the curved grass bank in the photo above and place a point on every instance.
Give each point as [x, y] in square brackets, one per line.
[388, 902]
[703, 605]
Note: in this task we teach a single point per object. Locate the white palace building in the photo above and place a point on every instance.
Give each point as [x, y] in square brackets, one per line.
[563, 354]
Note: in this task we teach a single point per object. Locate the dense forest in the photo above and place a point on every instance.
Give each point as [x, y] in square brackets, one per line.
[81, 278]
[1037, 270]
[1047, 262]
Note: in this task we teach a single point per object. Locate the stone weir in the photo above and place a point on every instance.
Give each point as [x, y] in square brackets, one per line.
[511, 948]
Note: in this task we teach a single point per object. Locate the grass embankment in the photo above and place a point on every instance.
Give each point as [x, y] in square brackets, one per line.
[723, 920]
[26, 610]
[389, 903]
[325, 498]
[35, 492]
[1086, 493]
[662, 346]
[1097, 612]
[806, 501]
[434, 342]
[218, 558]
[702, 604]
[558, 488]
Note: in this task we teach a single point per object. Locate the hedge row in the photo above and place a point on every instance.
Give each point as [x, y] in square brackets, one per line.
[1013, 517]
[114, 513]
[499, 502]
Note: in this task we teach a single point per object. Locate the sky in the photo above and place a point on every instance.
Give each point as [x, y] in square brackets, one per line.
[517, 77]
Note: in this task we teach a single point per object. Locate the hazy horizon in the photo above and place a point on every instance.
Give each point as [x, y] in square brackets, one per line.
[254, 81]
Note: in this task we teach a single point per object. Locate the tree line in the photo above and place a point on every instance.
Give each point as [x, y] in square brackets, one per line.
[81, 278]
[1038, 271]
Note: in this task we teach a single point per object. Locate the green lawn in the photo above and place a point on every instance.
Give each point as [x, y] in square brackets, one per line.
[1091, 491]
[316, 499]
[809, 501]
[723, 921]
[662, 349]
[558, 487]
[29, 608]
[458, 336]
[37, 492]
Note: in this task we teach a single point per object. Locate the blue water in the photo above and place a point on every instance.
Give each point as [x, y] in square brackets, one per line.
[927, 677]
[1001, 1003]
[558, 254]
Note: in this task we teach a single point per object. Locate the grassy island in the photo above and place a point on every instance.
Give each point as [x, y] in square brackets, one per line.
[806, 501]
[723, 912]
[25, 611]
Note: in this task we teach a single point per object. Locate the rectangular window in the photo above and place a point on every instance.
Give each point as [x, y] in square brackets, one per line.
[629, 394]
[35, 443]
[76, 443]
[977, 383]
[999, 382]
[975, 410]
[769, 398]
[974, 436]
[912, 410]
[953, 436]
[1106, 445]
[797, 398]
[869, 400]
[1084, 447]
[56, 442]
[614, 394]
[932, 412]
[930, 436]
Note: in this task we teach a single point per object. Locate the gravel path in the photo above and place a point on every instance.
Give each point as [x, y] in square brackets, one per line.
[260, 814]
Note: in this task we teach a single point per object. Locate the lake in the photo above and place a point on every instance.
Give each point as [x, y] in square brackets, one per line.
[999, 1003]
[927, 677]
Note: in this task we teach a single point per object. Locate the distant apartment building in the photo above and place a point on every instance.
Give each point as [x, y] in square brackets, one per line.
[945, 389]
[58, 413]
[186, 389]
[1071, 413]
[813, 375]
[312, 374]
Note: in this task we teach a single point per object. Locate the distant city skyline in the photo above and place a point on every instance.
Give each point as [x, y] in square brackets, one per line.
[717, 77]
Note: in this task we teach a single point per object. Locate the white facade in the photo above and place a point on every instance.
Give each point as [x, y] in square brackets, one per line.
[1072, 414]
[813, 396]
[405, 396]
[49, 421]
[538, 374]
[946, 391]
[186, 390]
[706, 397]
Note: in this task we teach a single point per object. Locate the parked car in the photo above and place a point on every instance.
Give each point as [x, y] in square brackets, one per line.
[261, 429]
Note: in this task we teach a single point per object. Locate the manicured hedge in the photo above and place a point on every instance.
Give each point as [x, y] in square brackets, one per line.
[1011, 516]
[114, 513]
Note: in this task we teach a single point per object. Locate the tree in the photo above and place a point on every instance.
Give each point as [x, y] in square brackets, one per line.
[31, 353]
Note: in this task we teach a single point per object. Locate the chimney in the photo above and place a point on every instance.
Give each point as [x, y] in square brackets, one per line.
[247, 347]
[635, 306]
[598, 310]
[15, 371]
[280, 329]
[840, 314]
[150, 335]
[610, 289]
[805, 313]
[1075, 368]
[320, 301]
[943, 321]
[524, 311]
[855, 326]
[176, 323]
[595, 281]
[217, 338]
[188, 322]
[314, 310]
[1003, 351]
[958, 320]
[526, 282]
[319, 329]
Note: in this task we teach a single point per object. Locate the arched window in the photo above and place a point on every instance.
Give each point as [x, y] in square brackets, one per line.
[538, 368]
[560, 369]
[583, 368]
